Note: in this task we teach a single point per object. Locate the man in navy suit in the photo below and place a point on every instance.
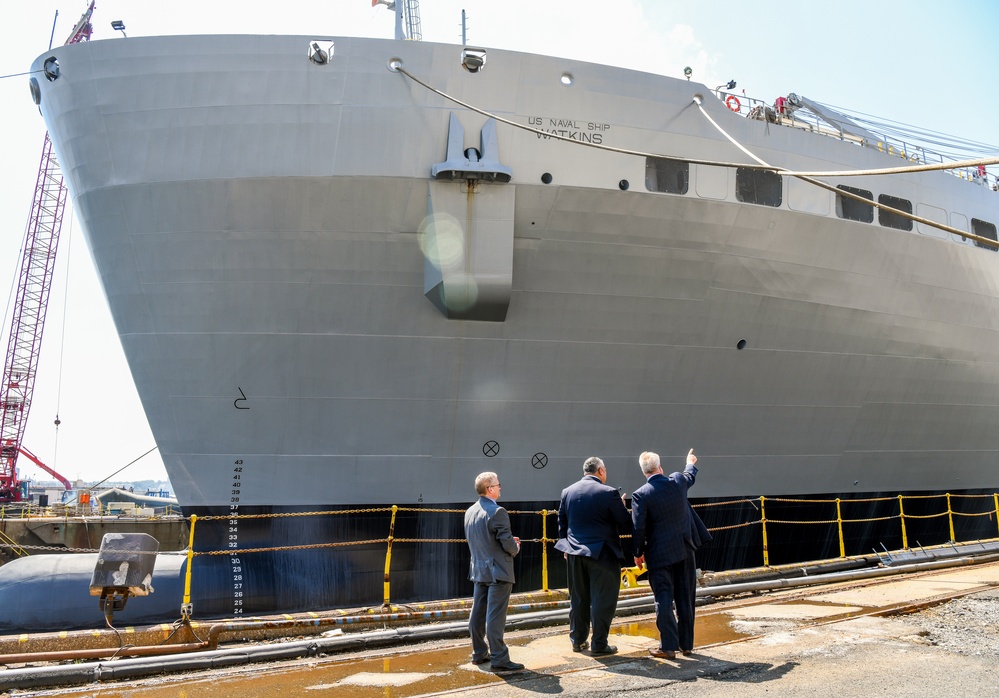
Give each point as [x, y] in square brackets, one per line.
[493, 546]
[591, 519]
[667, 532]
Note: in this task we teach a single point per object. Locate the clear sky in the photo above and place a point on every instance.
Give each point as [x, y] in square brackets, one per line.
[921, 62]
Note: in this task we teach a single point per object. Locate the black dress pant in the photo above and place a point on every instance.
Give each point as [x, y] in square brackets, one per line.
[593, 591]
[676, 583]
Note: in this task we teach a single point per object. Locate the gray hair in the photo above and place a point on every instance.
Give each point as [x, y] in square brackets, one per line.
[591, 465]
[649, 462]
[483, 482]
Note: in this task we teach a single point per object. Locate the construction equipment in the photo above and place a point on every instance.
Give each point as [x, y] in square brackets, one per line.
[31, 302]
[34, 459]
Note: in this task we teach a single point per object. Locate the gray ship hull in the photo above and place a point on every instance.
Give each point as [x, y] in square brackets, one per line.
[269, 237]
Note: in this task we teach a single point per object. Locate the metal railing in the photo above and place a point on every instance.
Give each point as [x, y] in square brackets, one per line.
[807, 120]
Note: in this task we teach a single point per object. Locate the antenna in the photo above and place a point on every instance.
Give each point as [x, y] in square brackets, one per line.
[52, 35]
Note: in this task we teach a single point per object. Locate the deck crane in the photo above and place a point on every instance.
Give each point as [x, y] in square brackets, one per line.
[31, 302]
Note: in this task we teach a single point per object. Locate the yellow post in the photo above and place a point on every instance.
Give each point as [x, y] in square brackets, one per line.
[839, 525]
[950, 518]
[544, 550]
[763, 521]
[186, 608]
[995, 497]
[901, 516]
[388, 557]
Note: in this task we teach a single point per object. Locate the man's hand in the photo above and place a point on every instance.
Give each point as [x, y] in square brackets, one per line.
[517, 541]
[640, 562]
[691, 458]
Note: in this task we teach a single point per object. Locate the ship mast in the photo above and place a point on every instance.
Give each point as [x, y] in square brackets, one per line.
[407, 18]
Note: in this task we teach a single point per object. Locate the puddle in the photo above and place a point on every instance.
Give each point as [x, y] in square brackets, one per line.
[399, 676]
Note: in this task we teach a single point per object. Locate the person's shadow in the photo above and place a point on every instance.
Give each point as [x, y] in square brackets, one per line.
[699, 666]
[534, 681]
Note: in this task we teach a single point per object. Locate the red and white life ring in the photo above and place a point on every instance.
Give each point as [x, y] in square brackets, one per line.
[733, 103]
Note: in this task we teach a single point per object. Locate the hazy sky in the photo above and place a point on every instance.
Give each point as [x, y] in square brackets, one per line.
[920, 62]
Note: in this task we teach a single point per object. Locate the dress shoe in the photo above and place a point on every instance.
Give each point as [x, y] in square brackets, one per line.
[687, 653]
[479, 660]
[606, 649]
[580, 647]
[509, 666]
[662, 654]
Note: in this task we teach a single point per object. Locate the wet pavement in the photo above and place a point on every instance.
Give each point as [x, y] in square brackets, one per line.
[843, 639]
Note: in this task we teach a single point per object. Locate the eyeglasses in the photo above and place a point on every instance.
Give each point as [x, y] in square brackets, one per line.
[496, 485]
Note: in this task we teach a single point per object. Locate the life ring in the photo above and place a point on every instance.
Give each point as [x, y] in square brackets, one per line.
[733, 103]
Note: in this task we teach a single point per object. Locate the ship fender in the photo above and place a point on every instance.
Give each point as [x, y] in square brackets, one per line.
[52, 593]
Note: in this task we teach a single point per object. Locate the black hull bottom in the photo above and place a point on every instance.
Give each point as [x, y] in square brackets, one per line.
[429, 560]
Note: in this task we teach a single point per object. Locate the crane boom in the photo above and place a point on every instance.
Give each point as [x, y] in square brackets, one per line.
[34, 284]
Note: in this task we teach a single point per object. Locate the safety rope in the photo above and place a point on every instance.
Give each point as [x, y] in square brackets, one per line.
[721, 504]
[8, 544]
[716, 529]
[761, 164]
[338, 512]
[274, 549]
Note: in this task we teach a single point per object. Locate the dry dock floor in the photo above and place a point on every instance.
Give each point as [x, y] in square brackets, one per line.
[924, 634]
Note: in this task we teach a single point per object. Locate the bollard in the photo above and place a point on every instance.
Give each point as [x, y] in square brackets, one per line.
[629, 577]
[995, 498]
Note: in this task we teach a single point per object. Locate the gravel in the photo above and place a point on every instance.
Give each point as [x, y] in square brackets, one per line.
[967, 626]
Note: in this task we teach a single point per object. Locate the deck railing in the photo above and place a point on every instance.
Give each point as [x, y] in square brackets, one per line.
[807, 120]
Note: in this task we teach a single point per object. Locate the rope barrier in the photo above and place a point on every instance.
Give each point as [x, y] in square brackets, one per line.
[721, 504]
[544, 540]
[291, 514]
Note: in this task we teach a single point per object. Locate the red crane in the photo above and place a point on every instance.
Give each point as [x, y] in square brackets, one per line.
[31, 302]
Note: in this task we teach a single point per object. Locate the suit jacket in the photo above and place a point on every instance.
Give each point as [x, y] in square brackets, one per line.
[591, 517]
[667, 529]
[487, 528]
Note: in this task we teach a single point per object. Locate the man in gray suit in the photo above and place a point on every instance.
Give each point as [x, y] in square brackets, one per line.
[487, 528]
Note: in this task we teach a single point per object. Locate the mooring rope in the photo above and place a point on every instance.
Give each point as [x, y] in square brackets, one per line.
[760, 164]
[805, 177]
